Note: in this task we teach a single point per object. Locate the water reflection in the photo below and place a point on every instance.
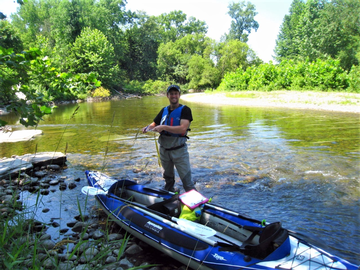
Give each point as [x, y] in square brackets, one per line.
[300, 167]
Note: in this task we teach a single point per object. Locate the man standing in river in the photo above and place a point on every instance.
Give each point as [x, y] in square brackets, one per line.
[173, 123]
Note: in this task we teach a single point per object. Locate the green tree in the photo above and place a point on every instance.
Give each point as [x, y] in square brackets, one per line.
[319, 29]
[175, 25]
[202, 73]
[142, 43]
[9, 37]
[234, 54]
[93, 53]
[174, 56]
[243, 20]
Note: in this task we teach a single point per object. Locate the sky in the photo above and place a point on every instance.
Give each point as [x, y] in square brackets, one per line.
[214, 12]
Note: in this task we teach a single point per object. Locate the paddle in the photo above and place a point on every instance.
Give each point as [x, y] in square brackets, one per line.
[194, 229]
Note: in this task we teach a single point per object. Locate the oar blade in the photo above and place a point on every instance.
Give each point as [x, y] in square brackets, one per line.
[92, 191]
[196, 228]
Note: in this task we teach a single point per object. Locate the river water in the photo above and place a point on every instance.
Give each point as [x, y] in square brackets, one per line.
[300, 167]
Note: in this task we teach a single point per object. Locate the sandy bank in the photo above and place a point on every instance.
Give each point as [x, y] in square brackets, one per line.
[329, 101]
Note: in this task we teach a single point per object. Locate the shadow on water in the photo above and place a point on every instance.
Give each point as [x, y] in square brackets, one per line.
[300, 167]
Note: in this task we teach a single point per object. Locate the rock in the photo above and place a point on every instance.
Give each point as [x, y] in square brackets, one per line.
[65, 265]
[49, 263]
[62, 186]
[44, 192]
[110, 259]
[98, 234]
[89, 254]
[54, 167]
[45, 237]
[125, 263]
[54, 182]
[64, 230]
[40, 174]
[114, 236]
[11, 167]
[81, 267]
[18, 135]
[45, 158]
[55, 224]
[79, 227]
[133, 250]
[71, 224]
[47, 244]
[72, 185]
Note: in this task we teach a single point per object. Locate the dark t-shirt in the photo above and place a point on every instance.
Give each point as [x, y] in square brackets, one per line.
[185, 114]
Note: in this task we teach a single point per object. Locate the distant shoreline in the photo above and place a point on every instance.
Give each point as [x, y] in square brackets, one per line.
[327, 101]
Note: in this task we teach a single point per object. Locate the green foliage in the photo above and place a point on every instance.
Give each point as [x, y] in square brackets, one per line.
[93, 53]
[142, 43]
[100, 92]
[290, 75]
[155, 87]
[9, 38]
[29, 81]
[233, 54]
[354, 79]
[243, 20]
[173, 57]
[202, 73]
[175, 25]
[321, 29]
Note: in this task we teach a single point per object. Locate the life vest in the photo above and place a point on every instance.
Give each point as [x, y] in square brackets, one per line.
[172, 119]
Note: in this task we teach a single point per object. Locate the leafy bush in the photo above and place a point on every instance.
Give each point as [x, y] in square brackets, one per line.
[354, 79]
[100, 92]
[320, 75]
[155, 87]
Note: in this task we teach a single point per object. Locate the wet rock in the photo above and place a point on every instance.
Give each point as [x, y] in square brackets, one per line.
[53, 167]
[49, 263]
[114, 236]
[55, 224]
[125, 263]
[133, 250]
[45, 158]
[40, 174]
[65, 265]
[64, 230]
[72, 185]
[79, 227]
[110, 259]
[47, 244]
[19, 135]
[62, 186]
[54, 182]
[44, 192]
[98, 234]
[71, 224]
[11, 167]
[45, 237]
[89, 255]
[81, 267]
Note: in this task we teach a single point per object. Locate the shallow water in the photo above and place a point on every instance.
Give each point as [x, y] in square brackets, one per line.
[299, 167]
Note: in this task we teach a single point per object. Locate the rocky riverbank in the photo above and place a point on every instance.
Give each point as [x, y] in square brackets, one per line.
[86, 241]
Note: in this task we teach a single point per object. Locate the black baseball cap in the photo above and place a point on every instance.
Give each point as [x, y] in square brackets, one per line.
[173, 86]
